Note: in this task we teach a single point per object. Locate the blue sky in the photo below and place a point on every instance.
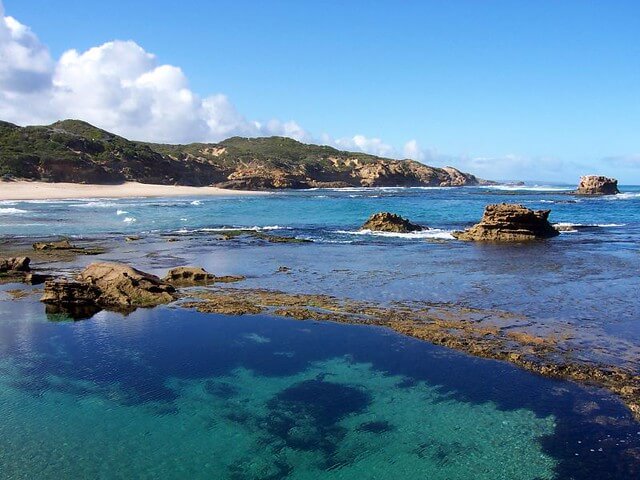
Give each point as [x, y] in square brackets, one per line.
[539, 90]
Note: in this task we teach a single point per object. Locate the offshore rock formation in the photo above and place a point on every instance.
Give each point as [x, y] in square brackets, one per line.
[74, 151]
[390, 222]
[505, 222]
[597, 185]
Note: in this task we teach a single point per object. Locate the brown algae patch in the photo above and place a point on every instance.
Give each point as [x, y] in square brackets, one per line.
[483, 333]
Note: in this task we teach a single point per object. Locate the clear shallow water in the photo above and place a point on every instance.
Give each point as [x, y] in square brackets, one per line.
[173, 394]
[581, 286]
[168, 393]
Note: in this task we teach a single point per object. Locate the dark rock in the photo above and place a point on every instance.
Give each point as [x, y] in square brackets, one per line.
[390, 222]
[191, 276]
[70, 292]
[14, 264]
[185, 276]
[597, 185]
[505, 222]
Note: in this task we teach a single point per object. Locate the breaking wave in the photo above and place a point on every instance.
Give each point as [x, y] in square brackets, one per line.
[433, 233]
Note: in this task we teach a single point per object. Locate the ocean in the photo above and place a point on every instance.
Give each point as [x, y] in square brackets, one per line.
[172, 393]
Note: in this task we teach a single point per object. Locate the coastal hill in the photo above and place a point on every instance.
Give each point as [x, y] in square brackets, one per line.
[75, 151]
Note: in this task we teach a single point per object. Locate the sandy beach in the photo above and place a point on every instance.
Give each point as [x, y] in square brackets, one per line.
[24, 190]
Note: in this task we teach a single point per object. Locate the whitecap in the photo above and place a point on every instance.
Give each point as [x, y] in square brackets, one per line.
[129, 220]
[254, 228]
[121, 212]
[530, 188]
[97, 204]
[12, 211]
[568, 227]
[196, 202]
[623, 196]
[432, 233]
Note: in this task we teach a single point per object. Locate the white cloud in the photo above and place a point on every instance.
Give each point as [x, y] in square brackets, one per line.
[117, 86]
[372, 145]
[25, 64]
[122, 88]
[412, 150]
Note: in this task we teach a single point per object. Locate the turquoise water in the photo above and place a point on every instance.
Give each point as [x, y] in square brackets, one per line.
[166, 393]
[169, 393]
[581, 286]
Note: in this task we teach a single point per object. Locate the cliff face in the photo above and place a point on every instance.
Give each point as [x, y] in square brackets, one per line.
[74, 151]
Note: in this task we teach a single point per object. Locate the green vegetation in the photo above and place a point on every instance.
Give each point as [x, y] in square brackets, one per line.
[75, 151]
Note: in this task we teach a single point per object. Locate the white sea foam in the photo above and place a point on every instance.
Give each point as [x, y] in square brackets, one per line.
[196, 202]
[568, 227]
[254, 228]
[623, 196]
[433, 233]
[96, 204]
[12, 211]
[233, 229]
[129, 220]
[530, 188]
[121, 212]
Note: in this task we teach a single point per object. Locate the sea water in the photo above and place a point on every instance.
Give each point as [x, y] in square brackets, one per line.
[169, 393]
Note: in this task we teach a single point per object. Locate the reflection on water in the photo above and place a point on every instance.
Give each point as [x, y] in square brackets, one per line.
[170, 393]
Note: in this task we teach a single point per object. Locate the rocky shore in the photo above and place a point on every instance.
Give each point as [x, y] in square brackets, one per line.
[484, 333]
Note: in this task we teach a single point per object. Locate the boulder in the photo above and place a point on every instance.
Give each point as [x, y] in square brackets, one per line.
[390, 222]
[59, 245]
[597, 185]
[124, 286]
[185, 276]
[69, 292]
[14, 264]
[505, 222]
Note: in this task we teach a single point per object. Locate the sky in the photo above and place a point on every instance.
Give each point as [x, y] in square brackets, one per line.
[509, 90]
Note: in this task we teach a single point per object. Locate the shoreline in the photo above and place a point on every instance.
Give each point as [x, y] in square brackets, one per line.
[26, 190]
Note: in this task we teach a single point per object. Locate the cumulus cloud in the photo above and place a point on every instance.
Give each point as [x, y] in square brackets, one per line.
[361, 143]
[122, 88]
[25, 64]
[117, 86]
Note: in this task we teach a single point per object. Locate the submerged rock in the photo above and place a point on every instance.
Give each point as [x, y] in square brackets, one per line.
[597, 185]
[122, 285]
[390, 222]
[59, 245]
[505, 222]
